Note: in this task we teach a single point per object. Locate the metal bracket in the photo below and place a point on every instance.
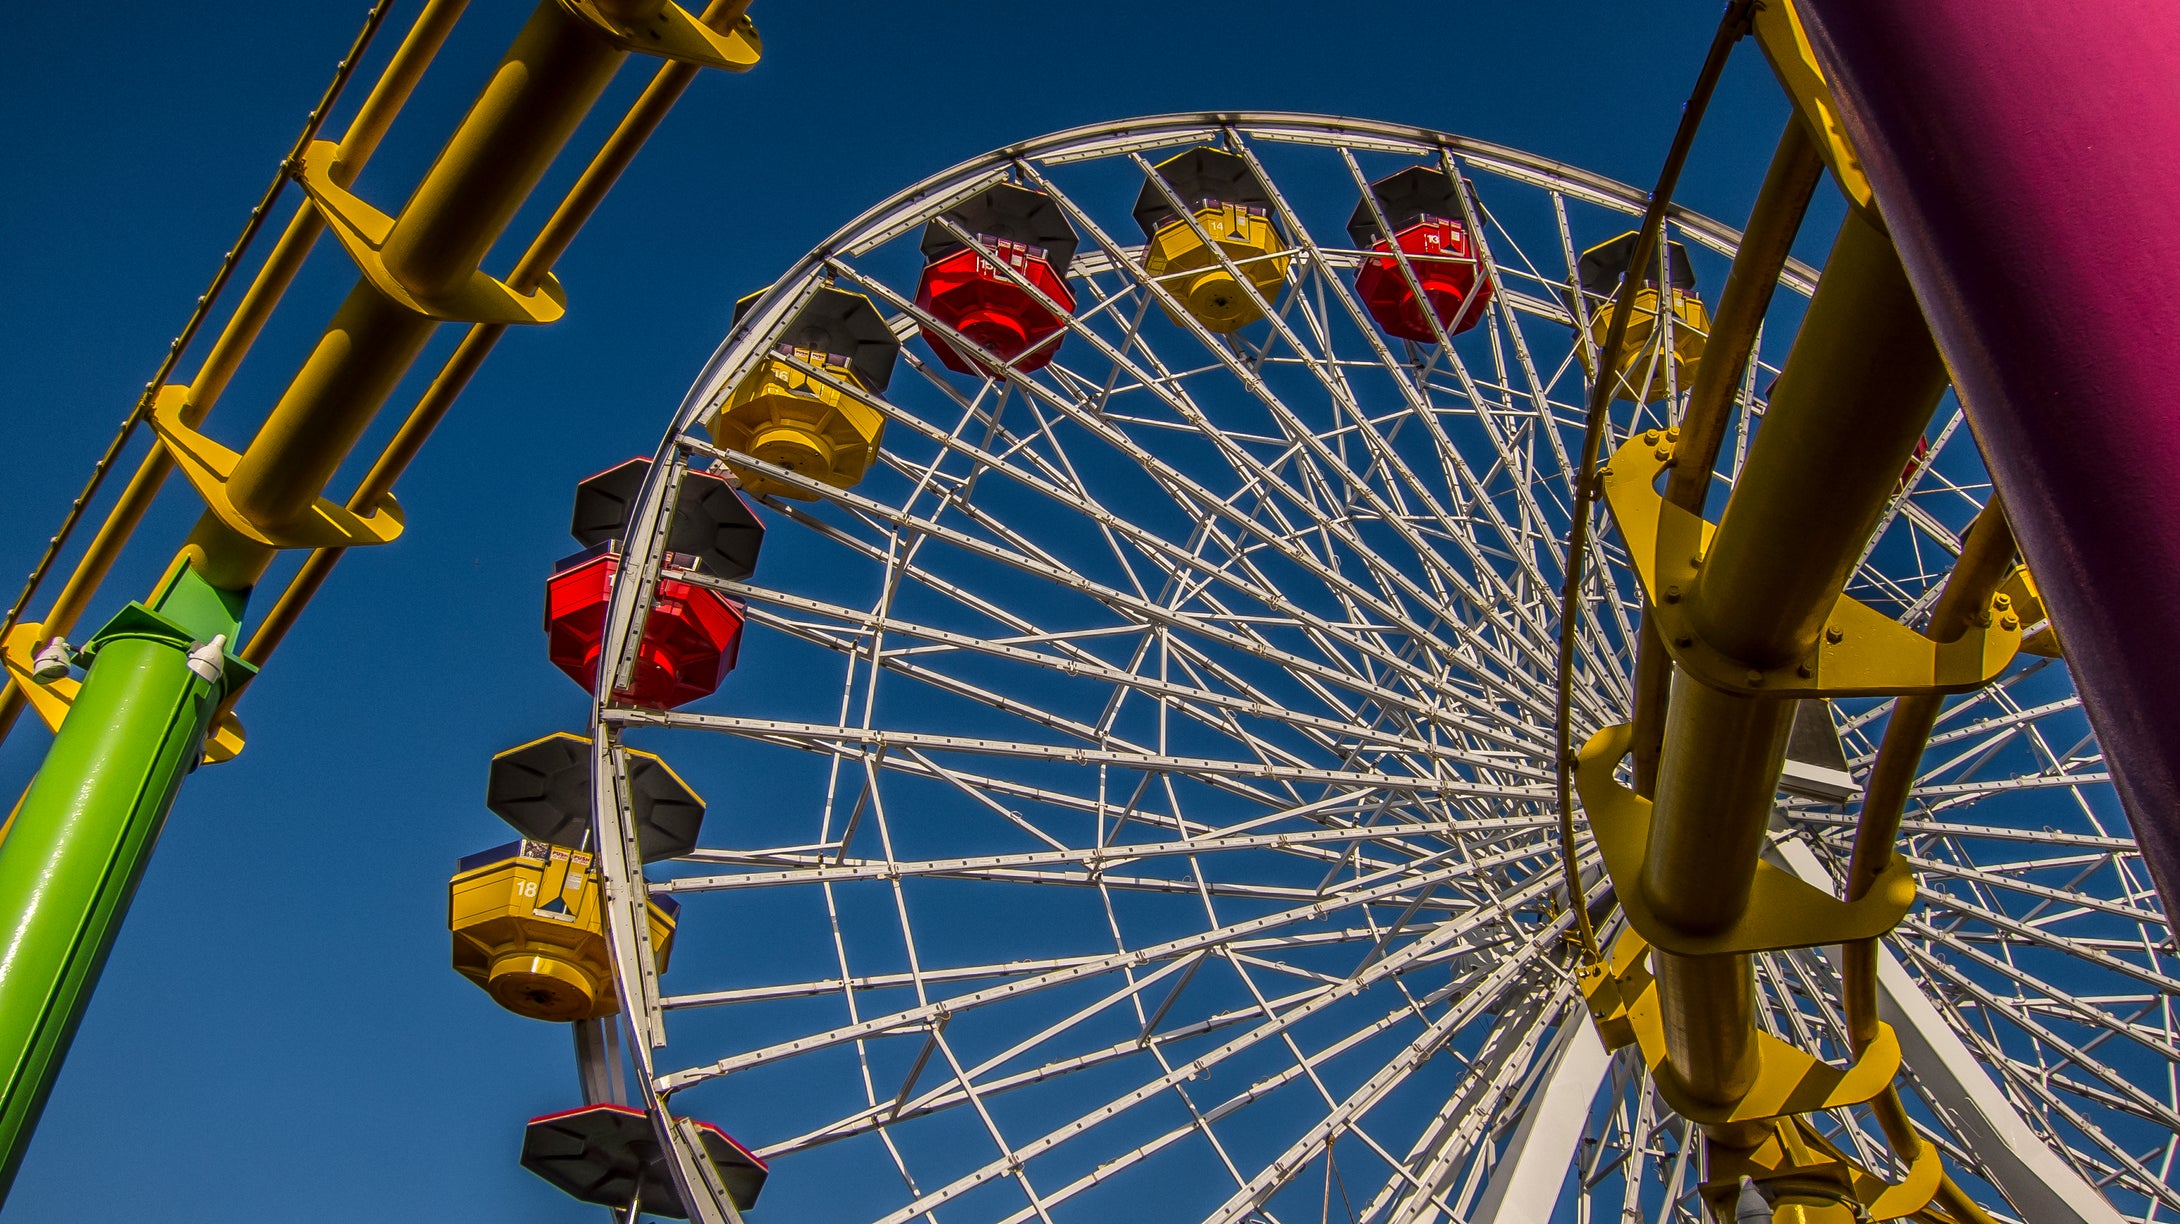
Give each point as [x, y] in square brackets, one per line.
[1623, 1001]
[1779, 32]
[363, 231]
[668, 31]
[1862, 652]
[210, 466]
[1795, 1156]
[1783, 911]
[52, 699]
[2027, 605]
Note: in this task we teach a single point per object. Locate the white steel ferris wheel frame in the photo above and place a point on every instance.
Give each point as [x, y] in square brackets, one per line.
[1528, 1108]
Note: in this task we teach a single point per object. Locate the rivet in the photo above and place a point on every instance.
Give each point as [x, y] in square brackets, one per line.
[1833, 635]
[1696, 561]
[1672, 594]
[1755, 677]
[1804, 671]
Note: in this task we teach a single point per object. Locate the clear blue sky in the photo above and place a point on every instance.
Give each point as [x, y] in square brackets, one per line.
[278, 1034]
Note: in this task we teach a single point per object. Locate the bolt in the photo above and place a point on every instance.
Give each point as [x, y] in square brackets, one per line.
[1754, 677]
[2008, 622]
[1650, 437]
[2001, 602]
[1833, 635]
[1672, 594]
[1805, 671]
[1664, 453]
[1673, 434]
[1696, 561]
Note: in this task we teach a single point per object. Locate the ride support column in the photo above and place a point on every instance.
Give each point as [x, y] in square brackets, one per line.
[2025, 157]
[78, 843]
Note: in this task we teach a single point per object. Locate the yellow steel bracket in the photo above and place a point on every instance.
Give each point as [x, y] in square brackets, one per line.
[669, 32]
[52, 698]
[363, 230]
[1623, 1001]
[1794, 1155]
[210, 466]
[1783, 910]
[1778, 30]
[2019, 598]
[1862, 652]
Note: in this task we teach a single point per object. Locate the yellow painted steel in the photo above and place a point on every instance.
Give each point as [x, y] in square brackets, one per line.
[1728, 635]
[642, 119]
[1783, 1080]
[2026, 605]
[1861, 652]
[785, 415]
[1765, 246]
[1640, 350]
[1811, 1180]
[1777, 25]
[548, 80]
[1595, 427]
[1753, 617]
[1854, 395]
[1188, 265]
[422, 266]
[1973, 594]
[385, 99]
[1773, 909]
[530, 930]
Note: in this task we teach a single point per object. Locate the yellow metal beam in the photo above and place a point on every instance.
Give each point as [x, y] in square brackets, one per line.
[556, 69]
[636, 127]
[1857, 390]
[357, 145]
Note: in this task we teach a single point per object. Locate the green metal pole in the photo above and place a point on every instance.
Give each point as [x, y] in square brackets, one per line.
[78, 843]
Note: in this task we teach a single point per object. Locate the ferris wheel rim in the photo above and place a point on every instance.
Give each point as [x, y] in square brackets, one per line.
[885, 218]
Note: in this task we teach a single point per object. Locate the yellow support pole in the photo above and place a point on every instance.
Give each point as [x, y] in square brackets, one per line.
[1857, 390]
[1765, 245]
[636, 127]
[548, 81]
[385, 100]
[1987, 556]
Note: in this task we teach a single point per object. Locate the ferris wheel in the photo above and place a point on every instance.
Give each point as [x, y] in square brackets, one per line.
[1134, 793]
